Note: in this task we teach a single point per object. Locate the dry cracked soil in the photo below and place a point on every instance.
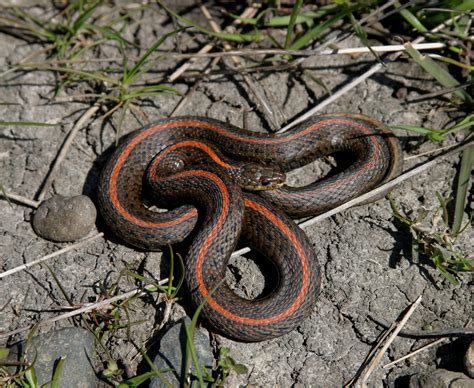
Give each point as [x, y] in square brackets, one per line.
[365, 254]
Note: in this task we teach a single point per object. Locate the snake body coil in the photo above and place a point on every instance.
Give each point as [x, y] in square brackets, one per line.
[222, 207]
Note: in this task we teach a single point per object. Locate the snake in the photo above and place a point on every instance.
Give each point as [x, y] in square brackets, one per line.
[201, 170]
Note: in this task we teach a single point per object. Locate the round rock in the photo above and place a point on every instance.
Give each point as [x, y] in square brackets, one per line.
[74, 344]
[440, 378]
[172, 353]
[469, 360]
[65, 218]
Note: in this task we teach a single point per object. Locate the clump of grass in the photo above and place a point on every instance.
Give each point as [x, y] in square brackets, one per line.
[436, 239]
[25, 374]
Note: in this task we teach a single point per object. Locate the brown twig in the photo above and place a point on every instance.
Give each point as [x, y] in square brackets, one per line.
[364, 374]
[274, 116]
[374, 69]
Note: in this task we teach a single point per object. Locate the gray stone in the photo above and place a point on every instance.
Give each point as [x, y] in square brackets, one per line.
[441, 378]
[469, 360]
[65, 218]
[172, 353]
[76, 345]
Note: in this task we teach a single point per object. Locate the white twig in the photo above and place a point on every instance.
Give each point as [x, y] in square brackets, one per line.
[89, 307]
[51, 255]
[427, 346]
[334, 96]
[374, 69]
[20, 199]
[382, 49]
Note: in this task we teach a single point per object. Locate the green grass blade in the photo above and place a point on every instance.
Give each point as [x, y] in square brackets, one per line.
[129, 77]
[235, 37]
[431, 133]
[137, 380]
[109, 33]
[441, 75]
[171, 275]
[466, 6]
[85, 74]
[362, 35]
[411, 19]
[291, 25]
[317, 30]
[284, 21]
[57, 372]
[452, 61]
[192, 351]
[181, 278]
[467, 162]
[190, 334]
[84, 16]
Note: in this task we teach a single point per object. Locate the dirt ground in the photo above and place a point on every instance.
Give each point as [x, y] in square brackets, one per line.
[365, 255]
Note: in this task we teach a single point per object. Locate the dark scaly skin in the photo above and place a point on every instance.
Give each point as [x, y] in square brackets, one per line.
[120, 193]
[237, 143]
[264, 228]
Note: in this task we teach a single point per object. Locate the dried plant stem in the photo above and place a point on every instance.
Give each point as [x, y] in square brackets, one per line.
[374, 69]
[367, 371]
[427, 346]
[248, 12]
[424, 347]
[85, 309]
[51, 255]
[273, 116]
[20, 199]
[65, 148]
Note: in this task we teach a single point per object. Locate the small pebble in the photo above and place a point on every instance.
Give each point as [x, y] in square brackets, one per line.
[65, 218]
[172, 351]
[76, 345]
[469, 360]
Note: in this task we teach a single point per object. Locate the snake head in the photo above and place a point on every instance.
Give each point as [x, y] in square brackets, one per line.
[256, 177]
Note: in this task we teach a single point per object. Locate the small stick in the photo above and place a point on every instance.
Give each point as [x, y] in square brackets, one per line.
[184, 99]
[381, 49]
[62, 154]
[429, 152]
[89, 307]
[248, 12]
[51, 255]
[261, 100]
[362, 198]
[378, 356]
[380, 341]
[204, 53]
[427, 346]
[20, 199]
[374, 69]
